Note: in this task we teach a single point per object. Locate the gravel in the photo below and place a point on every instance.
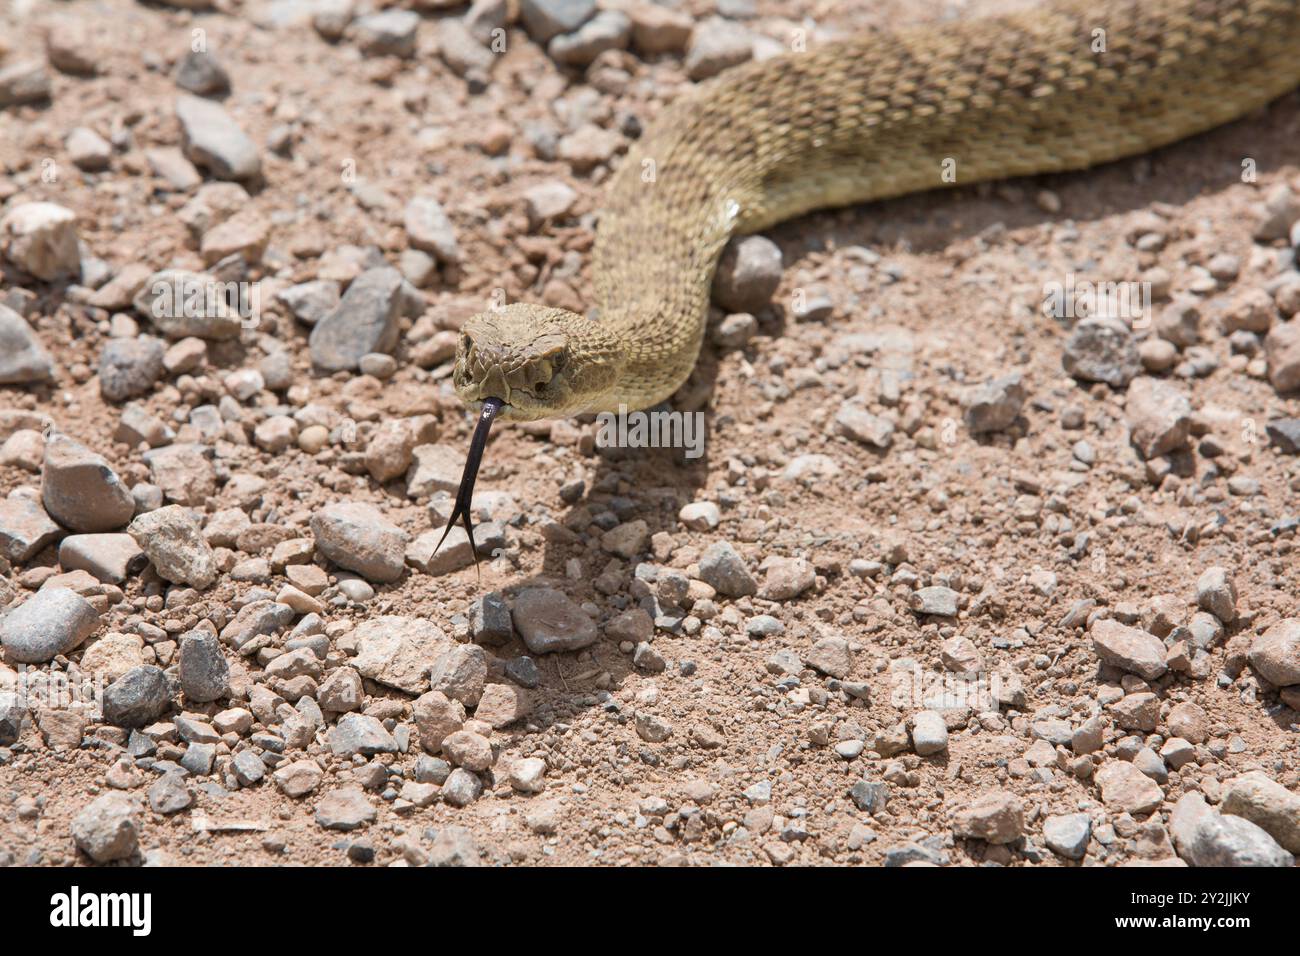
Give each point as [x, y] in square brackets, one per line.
[107, 829]
[215, 142]
[137, 698]
[80, 490]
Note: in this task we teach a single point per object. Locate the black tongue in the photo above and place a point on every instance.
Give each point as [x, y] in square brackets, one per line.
[465, 493]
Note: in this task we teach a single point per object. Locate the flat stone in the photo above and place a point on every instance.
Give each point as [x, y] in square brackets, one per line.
[716, 45]
[996, 817]
[549, 621]
[111, 558]
[429, 230]
[25, 529]
[398, 651]
[855, 422]
[1128, 648]
[311, 301]
[1067, 834]
[112, 655]
[937, 600]
[297, 779]
[1126, 789]
[169, 794]
[437, 717]
[214, 141]
[434, 468]
[345, 809]
[929, 733]
[460, 672]
[183, 472]
[831, 656]
[52, 621]
[181, 304]
[544, 19]
[360, 734]
[357, 537]
[501, 705]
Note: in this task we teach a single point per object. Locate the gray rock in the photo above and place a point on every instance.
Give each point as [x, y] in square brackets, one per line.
[545, 19]
[25, 529]
[41, 239]
[1067, 834]
[1158, 416]
[128, 368]
[360, 734]
[107, 830]
[855, 422]
[204, 673]
[748, 273]
[111, 558]
[993, 406]
[929, 733]
[365, 320]
[1102, 350]
[868, 796]
[249, 768]
[345, 809]
[183, 304]
[460, 673]
[23, 359]
[429, 230]
[12, 713]
[608, 30]
[1203, 837]
[1216, 592]
[137, 698]
[548, 621]
[996, 817]
[716, 45]
[489, 620]
[169, 794]
[1284, 433]
[1276, 653]
[357, 537]
[80, 490]
[174, 542]
[388, 33]
[311, 301]
[831, 656]
[461, 788]
[937, 600]
[201, 73]
[1129, 649]
[1268, 805]
[52, 621]
[198, 759]
[26, 81]
[215, 142]
[724, 570]
[523, 671]
[454, 846]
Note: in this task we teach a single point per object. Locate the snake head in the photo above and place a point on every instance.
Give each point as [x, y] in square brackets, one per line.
[529, 357]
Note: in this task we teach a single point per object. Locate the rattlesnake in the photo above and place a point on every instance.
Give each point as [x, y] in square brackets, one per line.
[1058, 87]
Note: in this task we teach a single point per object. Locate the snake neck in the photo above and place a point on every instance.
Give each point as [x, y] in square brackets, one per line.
[1053, 88]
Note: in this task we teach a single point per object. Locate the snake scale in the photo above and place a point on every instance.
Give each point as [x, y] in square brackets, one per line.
[1052, 88]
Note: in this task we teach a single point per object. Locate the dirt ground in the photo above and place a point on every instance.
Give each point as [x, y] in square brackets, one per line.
[931, 295]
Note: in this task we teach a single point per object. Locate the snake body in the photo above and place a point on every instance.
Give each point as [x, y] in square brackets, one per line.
[1059, 87]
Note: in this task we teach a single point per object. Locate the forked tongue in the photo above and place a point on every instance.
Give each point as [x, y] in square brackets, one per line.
[465, 494]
